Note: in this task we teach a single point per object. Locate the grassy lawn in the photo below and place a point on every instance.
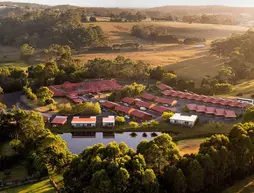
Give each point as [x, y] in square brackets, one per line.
[186, 60]
[15, 64]
[18, 172]
[43, 109]
[44, 186]
[189, 146]
[244, 87]
[243, 186]
[5, 149]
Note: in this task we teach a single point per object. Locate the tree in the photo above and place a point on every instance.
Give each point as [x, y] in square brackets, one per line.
[179, 184]
[225, 74]
[93, 19]
[133, 125]
[157, 73]
[29, 94]
[16, 145]
[169, 79]
[167, 115]
[249, 115]
[44, 94]
[195, 176]
[120, 120]
[1, 90]
[26, 52]
[159, 152]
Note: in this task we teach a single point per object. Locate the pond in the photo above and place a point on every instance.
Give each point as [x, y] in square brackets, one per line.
[77, 142]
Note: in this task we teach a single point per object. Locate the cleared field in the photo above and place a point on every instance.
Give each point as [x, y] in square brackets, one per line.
[189, 146]
[187, 61]
[44, 186]
[18, 172]
[244, 186]
[245, 87]
[119, 30]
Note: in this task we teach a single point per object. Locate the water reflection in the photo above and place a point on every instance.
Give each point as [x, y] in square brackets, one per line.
[77, 142]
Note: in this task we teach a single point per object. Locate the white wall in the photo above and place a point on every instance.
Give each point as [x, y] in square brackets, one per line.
[108, 124]
[83, 125]
[179, 122]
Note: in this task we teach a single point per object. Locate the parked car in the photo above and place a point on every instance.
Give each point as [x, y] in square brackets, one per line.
[138, 99]
[125, 104]
[165, 105]
[126, 117]
[142, 108]
[101, 101]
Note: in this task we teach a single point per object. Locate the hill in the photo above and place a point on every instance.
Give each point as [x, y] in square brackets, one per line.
[209, 9]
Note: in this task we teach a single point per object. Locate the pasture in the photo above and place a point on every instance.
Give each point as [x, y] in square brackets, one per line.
[186, 61]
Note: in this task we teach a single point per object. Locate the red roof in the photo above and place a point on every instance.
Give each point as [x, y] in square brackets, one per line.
[165, 101]
[201, 109]
[140, 114]
[230, 114]
[128, 100]
[59, 120]
[147, 96]
[109, 105]
[160, 109]
[210, 110]
[163, 87]
[219, 112]
[143, 104]
[85, 87]
[84, 120]
[122, 109]
[192, 107]
[167, 92]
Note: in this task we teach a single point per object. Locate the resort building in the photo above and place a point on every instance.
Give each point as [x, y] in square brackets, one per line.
[108, 121]
[83, 122]
[184, 120]
[59, 120]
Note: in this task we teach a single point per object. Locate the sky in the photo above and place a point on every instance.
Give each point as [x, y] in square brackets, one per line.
[142, 3]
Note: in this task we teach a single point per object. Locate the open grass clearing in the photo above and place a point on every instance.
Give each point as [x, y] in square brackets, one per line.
[6, 150]
[18, 172]
[118, 31]
[245, 87]
[43, 109]
[243, 186]
[44, 186]
[189, 146]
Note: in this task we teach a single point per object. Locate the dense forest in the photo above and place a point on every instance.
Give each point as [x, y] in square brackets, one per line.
[43, 28]
[153, 33]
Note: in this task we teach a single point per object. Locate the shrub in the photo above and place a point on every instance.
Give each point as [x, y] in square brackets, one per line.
[154, 123]
[185, 109]
[166, 115]
[133, 125]
[120, 120]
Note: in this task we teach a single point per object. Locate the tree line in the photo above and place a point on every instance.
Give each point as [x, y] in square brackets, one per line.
[157, 166]
[161, 34]
[222, 19]
[43, 28]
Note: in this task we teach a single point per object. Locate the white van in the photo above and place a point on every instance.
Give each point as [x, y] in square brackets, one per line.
[142, 108]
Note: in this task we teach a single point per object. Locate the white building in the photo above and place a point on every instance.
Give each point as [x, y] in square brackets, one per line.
[83, 122]
[184, 120]
[108, 121]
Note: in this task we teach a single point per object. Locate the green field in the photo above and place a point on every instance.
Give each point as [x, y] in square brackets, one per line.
[245, 87]
[44, 186]
[243, 186]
